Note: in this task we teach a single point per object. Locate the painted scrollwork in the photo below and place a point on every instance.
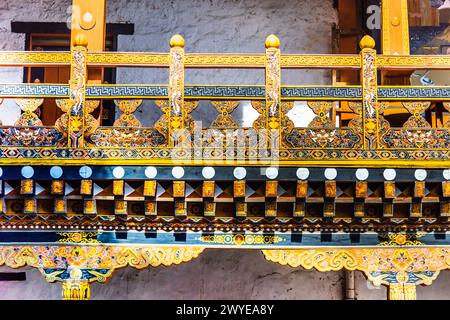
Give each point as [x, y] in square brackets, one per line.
[399, 267]
[92, 262]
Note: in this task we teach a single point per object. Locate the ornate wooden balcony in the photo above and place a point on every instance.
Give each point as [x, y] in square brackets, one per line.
[368, 139]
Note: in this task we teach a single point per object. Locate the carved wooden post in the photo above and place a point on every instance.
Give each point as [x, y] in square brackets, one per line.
[273, 91]
[76, 288]
[176, 88]
[395, 27]
[369, 92]
[400, 291]
[78, 77]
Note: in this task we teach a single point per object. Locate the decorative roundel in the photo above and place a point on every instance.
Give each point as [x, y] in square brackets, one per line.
[27, 172]
[420, 174]
[362, 174]
[177, 172]
[85, 172]
[446, 174]
[389, 174]
[330, 173]
[56, 172]
[151, 172]
[239, 173]
[118, 172]
[302, 173]
[208, 172]
[271, 173]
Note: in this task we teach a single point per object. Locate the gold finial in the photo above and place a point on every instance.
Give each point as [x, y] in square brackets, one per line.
[367, 42]
[177, 41]
[272, 41]
[80, 40]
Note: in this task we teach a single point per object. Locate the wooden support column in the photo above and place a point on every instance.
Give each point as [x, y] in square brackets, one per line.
[395, 27]
[89, 19]
[76, 290]
[402, 291]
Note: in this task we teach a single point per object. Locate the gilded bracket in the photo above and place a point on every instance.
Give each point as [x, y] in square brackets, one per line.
[400, 268]
[78, 265]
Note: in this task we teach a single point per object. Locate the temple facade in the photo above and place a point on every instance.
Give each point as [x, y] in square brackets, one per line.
[224, 149]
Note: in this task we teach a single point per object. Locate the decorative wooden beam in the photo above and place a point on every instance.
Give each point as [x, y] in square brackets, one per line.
[395, 27]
